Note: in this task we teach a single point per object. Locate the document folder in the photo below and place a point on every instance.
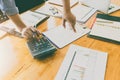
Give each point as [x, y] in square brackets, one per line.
[107, 28]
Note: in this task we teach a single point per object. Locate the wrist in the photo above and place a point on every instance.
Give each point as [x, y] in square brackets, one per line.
[66, 11]
[21, 28]
[67, 14]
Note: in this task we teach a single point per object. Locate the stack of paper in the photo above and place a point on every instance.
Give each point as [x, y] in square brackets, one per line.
[81, 63]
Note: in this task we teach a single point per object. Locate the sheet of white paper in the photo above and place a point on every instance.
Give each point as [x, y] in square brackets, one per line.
[49, 10]
[81, 63]
[61, 36]
[82, 13]
[31, 18]
[106, 30]
[101, 5]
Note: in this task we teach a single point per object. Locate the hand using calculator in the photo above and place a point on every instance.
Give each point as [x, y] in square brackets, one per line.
[30, 32]
[41, 47]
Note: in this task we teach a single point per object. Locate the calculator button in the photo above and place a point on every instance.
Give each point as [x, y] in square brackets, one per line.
[41, 48]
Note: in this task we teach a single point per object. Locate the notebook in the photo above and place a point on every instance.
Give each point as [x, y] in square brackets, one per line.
[32, 18]
[82, 63]
[106, 28]
[101, 5]
[61, 36]
[60, 3]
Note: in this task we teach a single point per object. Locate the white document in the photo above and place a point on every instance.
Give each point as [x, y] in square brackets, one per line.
[82, 12]
[81, 63]
[106, 29]
[101, 5]
[49, 10]
[60, 3]
[32, 18]
[61, 36]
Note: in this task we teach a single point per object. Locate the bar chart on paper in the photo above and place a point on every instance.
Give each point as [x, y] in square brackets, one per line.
[82, 64]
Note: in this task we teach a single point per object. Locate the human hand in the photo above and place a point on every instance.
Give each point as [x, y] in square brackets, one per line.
[71, 19]
[30, 32]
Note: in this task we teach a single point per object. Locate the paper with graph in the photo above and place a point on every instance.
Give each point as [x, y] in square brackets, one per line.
[82, 63]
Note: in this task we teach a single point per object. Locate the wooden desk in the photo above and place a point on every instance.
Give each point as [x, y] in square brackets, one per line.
[16, 62]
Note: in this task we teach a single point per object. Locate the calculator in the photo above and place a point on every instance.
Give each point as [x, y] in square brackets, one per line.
[41, 48]
[3, 17]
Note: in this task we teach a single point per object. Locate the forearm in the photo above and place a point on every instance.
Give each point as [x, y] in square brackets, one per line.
[18, 22]
[66, 6]
[67, 14]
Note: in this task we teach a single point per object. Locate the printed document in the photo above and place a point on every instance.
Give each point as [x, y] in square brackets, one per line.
[82, 12]
[82, 63]
[106, 27]
[49, 10]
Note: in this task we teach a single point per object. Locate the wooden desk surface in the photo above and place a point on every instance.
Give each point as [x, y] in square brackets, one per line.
[16, 63]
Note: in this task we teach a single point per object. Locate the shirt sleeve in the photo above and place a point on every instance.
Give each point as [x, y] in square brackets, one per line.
[9, 7]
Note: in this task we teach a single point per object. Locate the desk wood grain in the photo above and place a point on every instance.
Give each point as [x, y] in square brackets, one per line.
[16, 63]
